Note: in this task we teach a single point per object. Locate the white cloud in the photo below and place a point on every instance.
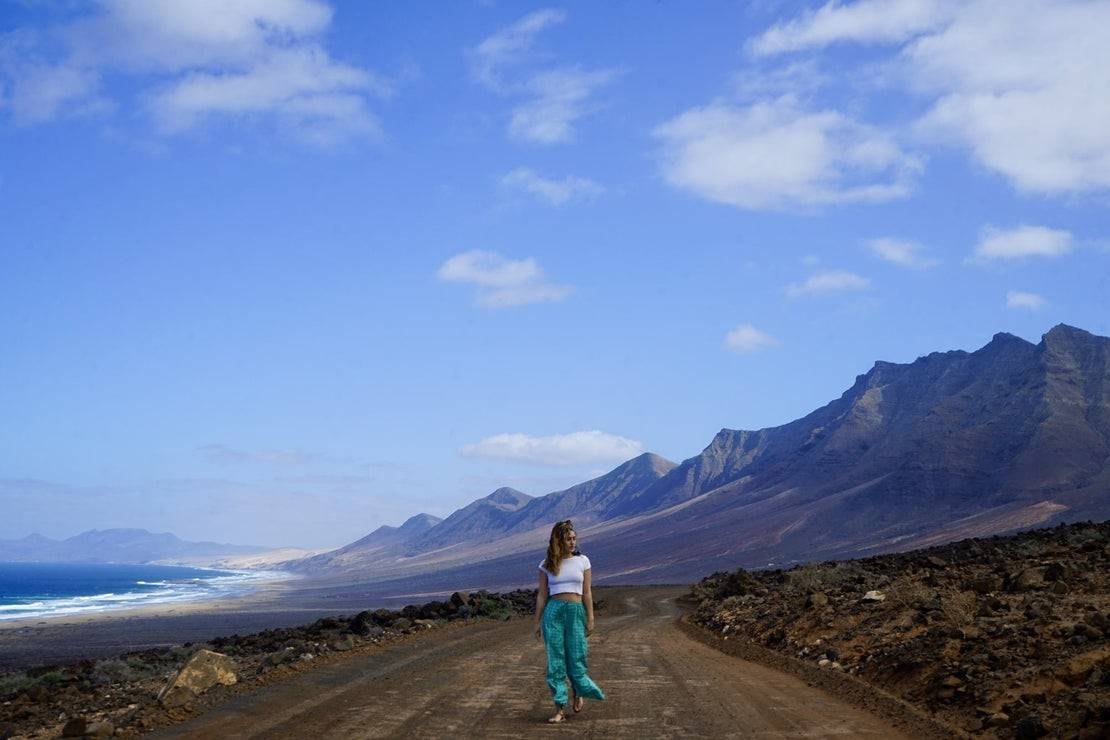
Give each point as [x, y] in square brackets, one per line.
[867, 21]
[172, 36]
[319, 98]
[554, 99]
[1020, 84]
[774, 155]
[251, 61]
[507, 45]
[502, 282]
[576, 448]
[1030, 301]
[906, 254]
[832, 281]
[560, 98]
[1021, 242]
[555, 192]
[1024, 86]
[745, 338]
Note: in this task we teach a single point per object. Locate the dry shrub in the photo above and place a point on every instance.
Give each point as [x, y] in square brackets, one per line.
[959, 607]
[908, 593]
[817, 577]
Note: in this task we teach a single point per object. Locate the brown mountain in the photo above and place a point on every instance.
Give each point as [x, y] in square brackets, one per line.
[954, 444]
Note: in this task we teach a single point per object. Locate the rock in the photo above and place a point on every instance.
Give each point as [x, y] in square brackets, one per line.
[952, 682]
[401, 623]
[1029, 727]
[75, 727]
[425, 623]
[1027, 580]
[457, 599]
[1076, 670]
[1059, 587]
[936, 562]
[203, 671]
[970, 633]
[1056, 571]
[816, 600]
[344, 643]
[369, 624]
[998, 719]
[873, 596]
[100, 729]
[984, 585]
[824, 662]
[279, 657]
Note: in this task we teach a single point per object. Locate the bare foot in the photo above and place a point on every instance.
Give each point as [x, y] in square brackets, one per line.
[556, 718]
[579, 702]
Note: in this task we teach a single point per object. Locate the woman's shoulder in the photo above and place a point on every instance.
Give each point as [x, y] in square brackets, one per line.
[585, 561]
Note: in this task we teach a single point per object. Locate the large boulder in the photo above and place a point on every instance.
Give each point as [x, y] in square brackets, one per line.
[203, 671]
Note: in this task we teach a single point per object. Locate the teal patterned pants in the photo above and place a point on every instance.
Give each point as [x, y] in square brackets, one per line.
[564, 634]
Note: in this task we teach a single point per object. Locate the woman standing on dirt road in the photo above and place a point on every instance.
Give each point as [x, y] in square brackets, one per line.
[565, 613]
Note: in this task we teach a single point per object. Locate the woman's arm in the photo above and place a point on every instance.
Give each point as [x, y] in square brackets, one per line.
[588, 599]
[541, 601]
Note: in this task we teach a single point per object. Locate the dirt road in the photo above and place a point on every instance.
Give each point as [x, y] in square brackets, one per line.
[487, 681]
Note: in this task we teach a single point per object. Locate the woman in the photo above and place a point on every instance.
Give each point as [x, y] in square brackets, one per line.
[565, 612]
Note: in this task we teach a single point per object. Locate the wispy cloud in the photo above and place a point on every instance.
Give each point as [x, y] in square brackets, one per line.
[776, 155]
[559, 98]
[867, 21]
[833, 281]
[575, 448]
[223, 454]
[554, 98]
[555, 192]
[1028, 301]
[904, 253]
[502, 282]
[746, 339]
[507, 46]
[1020, 243]
[196, 62]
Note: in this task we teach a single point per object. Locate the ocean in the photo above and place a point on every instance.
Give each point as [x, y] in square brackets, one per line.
[34, 590]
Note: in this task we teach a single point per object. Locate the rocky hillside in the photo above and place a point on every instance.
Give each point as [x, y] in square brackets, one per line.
[1001, 637]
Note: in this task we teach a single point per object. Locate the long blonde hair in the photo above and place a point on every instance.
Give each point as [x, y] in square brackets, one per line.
[557, 548]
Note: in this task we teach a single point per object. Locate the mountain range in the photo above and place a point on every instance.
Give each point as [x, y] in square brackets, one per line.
[952, 445]
[118, 546]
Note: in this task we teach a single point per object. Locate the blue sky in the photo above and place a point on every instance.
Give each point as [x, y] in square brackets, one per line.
[280, 272]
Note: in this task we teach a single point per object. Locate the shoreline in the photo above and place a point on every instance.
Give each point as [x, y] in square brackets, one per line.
[249, 594]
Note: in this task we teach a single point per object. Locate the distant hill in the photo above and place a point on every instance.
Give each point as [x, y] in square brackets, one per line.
[492, 518]
[117, 546]
[952, 445]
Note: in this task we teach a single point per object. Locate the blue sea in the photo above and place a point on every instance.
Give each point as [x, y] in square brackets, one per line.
[35, 590]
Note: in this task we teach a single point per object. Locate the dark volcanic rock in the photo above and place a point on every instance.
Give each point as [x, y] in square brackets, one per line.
[119, 696]
[1040, 668]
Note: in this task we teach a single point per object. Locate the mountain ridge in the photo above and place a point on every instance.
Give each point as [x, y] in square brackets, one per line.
[1011, 435]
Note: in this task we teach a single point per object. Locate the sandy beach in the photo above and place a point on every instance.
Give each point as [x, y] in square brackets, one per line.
[281, 603]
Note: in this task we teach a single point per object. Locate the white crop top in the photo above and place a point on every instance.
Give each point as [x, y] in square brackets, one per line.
[569, 580]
